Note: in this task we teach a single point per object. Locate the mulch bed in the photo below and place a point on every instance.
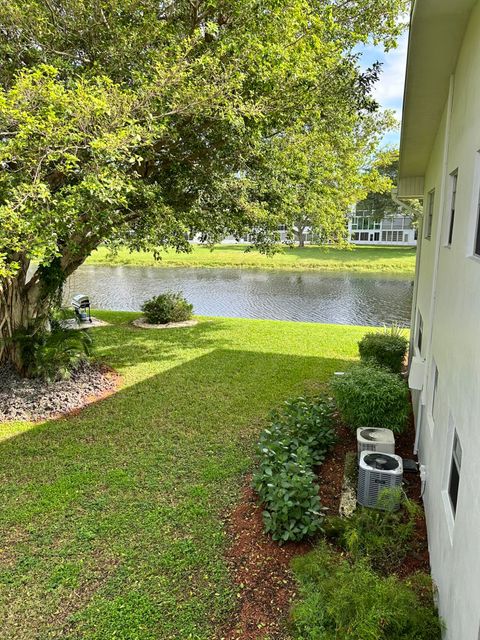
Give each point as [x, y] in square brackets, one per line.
[261, 568]
[35, 399]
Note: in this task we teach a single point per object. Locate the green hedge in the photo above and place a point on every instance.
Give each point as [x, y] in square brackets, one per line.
[386, 349]
[296, 439]
[370, 396]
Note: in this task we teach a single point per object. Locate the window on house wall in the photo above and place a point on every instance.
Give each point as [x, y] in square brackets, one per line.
[453, 198]
[429, 218]
[420, 333]
[455, 467]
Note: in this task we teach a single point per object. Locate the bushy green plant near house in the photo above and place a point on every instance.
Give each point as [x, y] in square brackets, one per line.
[370, 396]
[52, 355]
[292, 504]
[297, 438]
[386, 349]
[170, 306]
[383, 536]
[350, 601]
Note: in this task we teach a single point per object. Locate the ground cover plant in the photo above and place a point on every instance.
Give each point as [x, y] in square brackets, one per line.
[170, 306]
[386, 348]
[112, 520]
[384, 537]
[297, 438]
[348, 600]
[371, 396]
[357, 259]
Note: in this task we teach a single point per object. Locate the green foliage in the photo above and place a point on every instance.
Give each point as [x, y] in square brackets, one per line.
[350, 601]
[386, 349]
[170, 306]
[54, 354]
[297, 438]
[139, 126]
[384, 537]
[369, 396]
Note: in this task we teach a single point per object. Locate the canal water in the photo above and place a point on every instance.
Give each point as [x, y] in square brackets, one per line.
[338, 298]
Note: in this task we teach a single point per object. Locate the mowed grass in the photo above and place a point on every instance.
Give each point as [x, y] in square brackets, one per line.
[361, 259]
[112, 521]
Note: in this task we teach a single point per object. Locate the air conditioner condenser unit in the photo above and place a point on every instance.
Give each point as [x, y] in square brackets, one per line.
[378, 440]
[376, 472]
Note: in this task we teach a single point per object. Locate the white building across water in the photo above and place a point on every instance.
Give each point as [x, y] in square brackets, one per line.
[440, 163]
[364, 227]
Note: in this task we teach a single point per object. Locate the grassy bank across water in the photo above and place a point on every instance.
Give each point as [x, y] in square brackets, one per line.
[112, 520]
[359, 259]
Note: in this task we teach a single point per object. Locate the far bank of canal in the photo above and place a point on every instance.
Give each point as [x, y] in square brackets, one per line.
[315, 296]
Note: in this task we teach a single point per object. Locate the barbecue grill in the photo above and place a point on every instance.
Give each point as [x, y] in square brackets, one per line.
[81, 306]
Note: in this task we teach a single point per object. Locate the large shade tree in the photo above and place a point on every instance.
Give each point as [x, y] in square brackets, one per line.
[138, 121]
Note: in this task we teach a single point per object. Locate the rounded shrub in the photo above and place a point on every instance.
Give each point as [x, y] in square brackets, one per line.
[370, 396]
[167, 307]
[386, 349]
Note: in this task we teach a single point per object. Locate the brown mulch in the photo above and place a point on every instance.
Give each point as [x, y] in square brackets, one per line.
[261, 568]
[261, 571]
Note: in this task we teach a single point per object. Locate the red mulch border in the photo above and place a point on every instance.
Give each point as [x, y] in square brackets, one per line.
[261, 567]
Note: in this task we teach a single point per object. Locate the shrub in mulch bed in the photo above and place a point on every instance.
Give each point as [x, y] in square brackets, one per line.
[296, 439]
[370, 396]
[386, 349]
[261, 568]
[349, 600]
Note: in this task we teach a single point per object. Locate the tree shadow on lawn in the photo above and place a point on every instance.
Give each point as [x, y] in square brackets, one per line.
[133, 346]
[112, 520]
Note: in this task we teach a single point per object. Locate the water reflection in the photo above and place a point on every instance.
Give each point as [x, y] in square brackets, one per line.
[309, 296]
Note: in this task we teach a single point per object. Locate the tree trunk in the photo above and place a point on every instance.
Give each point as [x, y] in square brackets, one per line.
[20, 307]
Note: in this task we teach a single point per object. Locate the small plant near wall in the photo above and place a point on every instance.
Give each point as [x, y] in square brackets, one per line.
[348, 600]
[386, 349]
[370, 396]
[297, 438]
[384, 537]
[167, 307]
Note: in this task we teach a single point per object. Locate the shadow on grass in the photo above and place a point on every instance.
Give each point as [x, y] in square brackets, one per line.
[120, 508]
[133, 345]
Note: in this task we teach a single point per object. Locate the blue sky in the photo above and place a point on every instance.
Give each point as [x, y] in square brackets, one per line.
[389, 90]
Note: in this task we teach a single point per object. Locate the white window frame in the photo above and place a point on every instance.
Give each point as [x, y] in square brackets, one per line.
[429, 214]
[452, 201]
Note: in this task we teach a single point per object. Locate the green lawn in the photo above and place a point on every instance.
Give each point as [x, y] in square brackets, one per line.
[392, 260]
[111, 521]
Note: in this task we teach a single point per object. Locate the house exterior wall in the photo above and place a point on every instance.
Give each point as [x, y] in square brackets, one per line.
[448, 298]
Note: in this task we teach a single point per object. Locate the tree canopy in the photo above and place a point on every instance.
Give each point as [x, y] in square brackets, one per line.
[139, 121]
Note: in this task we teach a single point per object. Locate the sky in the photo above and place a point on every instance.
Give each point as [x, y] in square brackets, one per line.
[389, 89]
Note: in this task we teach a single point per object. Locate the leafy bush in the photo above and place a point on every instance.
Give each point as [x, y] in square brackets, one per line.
[297, 438]
[350, 601]
[292, 504]
[52, 355]
[384, 537]
[369, 396]
[167, 307]
[386, 349]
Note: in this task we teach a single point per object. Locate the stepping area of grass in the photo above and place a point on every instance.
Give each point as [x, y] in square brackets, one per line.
[359, 259]
[111, 523]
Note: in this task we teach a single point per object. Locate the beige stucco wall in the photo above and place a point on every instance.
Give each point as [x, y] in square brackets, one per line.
[453, 341]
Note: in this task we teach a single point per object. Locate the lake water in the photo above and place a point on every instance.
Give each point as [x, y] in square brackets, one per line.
[338, 298]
